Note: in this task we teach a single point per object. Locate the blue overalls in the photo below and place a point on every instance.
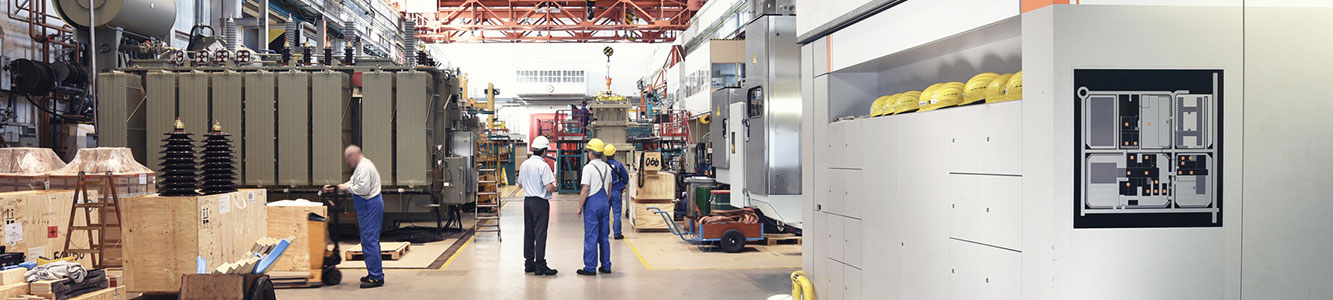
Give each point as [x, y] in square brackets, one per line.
[619, 177]
[595, 231]
[369, 218]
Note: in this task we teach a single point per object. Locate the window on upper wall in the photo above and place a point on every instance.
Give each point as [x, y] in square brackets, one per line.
[549, 76]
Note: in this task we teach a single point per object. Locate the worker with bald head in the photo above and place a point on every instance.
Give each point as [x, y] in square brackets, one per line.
[365, 189]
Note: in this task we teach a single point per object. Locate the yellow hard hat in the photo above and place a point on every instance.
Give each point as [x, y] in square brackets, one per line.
[877, 108]
[907, 102]
[946, 95]
[596, 145]
[609, 149]
[890, 104]
[995, 90]
[975, 89]
[1014, 89]
[923, 102]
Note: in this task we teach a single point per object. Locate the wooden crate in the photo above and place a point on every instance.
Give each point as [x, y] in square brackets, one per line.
[643, 219]
[111, 293]
[310, 237]
[43, 217]
[217, 286]
[388, 251]
[165, 235]
[660, 186]
[11, 183]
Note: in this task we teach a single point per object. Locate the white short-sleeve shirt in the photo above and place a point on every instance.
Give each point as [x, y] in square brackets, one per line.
[534, 175]
[596, 175]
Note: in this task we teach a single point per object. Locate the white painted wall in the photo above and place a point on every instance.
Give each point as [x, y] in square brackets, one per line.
[497, 63]
[813, 13]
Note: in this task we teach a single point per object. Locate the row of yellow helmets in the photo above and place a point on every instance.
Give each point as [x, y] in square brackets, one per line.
[988, 87]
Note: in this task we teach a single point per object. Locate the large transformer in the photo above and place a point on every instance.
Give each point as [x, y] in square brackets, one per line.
[292, 123]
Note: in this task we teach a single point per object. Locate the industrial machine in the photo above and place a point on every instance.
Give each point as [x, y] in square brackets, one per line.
[771, 164]
[723, 143]
[292, 111]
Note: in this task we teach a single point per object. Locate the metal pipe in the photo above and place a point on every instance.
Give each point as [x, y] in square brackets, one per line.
[92, 60]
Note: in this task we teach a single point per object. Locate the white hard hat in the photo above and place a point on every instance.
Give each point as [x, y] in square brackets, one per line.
[541, 142]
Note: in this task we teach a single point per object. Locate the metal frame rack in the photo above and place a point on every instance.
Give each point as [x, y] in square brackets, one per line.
[570, 138]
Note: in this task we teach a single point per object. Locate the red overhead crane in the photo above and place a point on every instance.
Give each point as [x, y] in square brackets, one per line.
[579, 21]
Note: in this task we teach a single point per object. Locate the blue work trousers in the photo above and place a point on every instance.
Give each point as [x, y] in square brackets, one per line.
[617, 201]
[369, 218]
[595, 231]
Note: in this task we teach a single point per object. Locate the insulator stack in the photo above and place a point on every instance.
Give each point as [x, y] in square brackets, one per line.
[180, 175]
[219, 162]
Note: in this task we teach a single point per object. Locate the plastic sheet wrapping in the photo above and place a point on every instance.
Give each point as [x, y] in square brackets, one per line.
[118, 161]
[29, 161]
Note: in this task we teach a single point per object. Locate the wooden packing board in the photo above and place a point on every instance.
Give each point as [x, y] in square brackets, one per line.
[42, 218]
[12, 276]
[310, 237]
[643, 219]
[14, 290]
[389, 251]
[652, 161]
[111, 293]
[217, 286]
[660, 186]
[165, 235]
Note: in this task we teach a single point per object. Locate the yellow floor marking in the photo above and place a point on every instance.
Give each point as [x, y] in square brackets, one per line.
[639, 255]
[460, 250]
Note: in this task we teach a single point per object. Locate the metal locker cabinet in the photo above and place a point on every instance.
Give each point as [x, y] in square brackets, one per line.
[330, 94]
[259, 155]
[192, 102]
[377, 122]
[412, 101]
[294, 128]
[1000, 215]
[161, 106]
[964, 270]
[227, 111]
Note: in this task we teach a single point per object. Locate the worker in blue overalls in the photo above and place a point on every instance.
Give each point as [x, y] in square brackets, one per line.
[619, 176]
[365, 189]
[595, 206]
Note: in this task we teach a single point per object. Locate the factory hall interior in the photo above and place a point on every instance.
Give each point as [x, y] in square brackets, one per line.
[666, 149]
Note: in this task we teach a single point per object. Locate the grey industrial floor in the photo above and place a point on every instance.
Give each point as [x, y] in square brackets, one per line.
[489, 269]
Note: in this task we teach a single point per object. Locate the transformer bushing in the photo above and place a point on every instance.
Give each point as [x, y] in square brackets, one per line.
[180, 171]
[219, 167]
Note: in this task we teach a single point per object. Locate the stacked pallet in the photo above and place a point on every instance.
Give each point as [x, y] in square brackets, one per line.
[26, 169]
[165, 235]
[41, 219]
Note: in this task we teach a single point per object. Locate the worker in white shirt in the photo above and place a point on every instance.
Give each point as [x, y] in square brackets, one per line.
[365, 189]
[538, 183]
[595, 206]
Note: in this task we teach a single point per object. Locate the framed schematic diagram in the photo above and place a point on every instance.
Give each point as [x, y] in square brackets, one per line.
[1148, 148]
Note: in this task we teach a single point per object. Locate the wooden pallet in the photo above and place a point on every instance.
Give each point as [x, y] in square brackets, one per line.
[782, 238]
[388, 251]
[295, 279]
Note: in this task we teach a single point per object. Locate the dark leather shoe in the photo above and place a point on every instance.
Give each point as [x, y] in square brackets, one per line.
[529, 268]
[620, 237]
[585, 272]
[372, 283]
[365, 279]
[604, 270]
[544, 271]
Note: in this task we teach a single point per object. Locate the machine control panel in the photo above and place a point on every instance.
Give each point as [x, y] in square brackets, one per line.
[1148, 148]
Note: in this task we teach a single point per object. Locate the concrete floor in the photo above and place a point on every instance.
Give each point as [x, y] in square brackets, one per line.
[488, 269]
